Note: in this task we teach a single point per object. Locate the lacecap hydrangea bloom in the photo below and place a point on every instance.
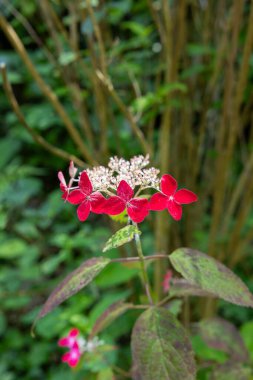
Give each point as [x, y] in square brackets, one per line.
[77, 346]
[120, 186]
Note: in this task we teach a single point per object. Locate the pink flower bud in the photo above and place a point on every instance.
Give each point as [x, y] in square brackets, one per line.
[72, 169]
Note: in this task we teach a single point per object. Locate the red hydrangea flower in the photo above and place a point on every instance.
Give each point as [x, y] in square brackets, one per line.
[72, 357]
[69, 340]
[166, 281]
[170, 198]
[87, 199]
[137, 208]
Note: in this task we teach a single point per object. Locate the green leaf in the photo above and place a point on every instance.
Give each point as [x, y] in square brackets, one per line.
[108, 316]
[122, 236]
[74, 282]
[247, 334]
[222, 335]
[231, 371]
[211, 276]
[182, 288]
[67, 57]
[120, 218]
[160, 348]
[205, 353]
[12, 249]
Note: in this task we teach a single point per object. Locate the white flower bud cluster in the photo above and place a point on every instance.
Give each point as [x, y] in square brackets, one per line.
[100, 177]
[134, 172]
[89, 345]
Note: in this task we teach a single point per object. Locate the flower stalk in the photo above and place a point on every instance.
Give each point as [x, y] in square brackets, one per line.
[143, 267]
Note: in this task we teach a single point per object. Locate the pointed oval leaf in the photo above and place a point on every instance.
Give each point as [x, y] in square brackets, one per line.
[211, 276]
[122, 236]
[74, 282]
[108, 316]
[161, 348]
[222, 335]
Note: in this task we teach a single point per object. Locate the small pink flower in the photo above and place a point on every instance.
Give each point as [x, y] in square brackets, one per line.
[72, 357]
[170, 198]
[137, 208]
[166, 281]
[87, 199]
[70, 339]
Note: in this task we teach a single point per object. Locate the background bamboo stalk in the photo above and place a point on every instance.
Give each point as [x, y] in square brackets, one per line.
[17, 44]
[36, 137]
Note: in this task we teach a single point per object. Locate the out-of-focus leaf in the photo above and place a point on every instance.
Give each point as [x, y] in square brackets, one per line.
[231, 371]
[121, 218]
[50, 265]
[170, 87]
[181, 288]
[122, 236]
[160, 348]
[206, 353]
[106, 374]
[108, 316]
[74, 282]
[247, 334]
[198, 50]
[138, 29]
[222, 335]
[175, 306]
[211, 276]
[67, 57]
[109, 299]
[116, 274]
[12, 249]
[8, 148]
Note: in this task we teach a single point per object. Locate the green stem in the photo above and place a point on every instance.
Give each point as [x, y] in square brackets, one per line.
[133, 259]
[143, 267]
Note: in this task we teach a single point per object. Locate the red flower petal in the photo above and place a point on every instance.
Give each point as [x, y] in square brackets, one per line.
[114, 206]
[63, 342]
[63, 187]
[74, 358]
[85, 184]
[97, 202]
[83, 210]
[185, 196]
[125, 191]
[75, 197]
[158, 202]
[137, 209]
[65, 357]
[73, 332]
[168, 185]
[175, 209]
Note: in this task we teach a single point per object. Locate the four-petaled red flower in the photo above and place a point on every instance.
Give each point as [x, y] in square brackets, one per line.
[137, 208]
[72, 357]
[70, 339]
[87, 199]
[170, 198]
